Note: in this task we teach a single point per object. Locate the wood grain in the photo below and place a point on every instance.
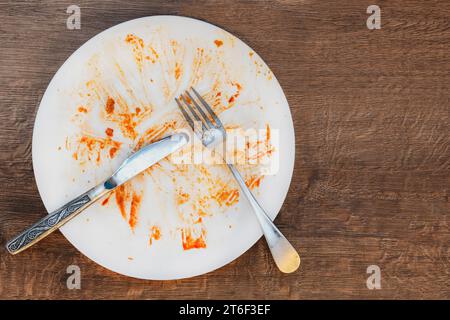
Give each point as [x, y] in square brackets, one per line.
[372, 174]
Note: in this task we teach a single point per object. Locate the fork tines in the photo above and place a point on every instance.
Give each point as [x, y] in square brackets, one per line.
[195, 109]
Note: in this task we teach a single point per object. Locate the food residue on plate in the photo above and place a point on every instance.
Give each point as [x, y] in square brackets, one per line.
[134, 207]
[109, 107]
[191, 241]
[136, 108]
[155, 234]
[109, 132]
[177, 70]
[89, 148]
[182, 197]
[82, 109]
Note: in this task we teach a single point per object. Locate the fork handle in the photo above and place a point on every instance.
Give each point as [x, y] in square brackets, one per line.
[286, 257]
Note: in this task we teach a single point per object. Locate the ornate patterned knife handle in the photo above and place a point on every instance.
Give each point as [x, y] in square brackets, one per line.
[46, 225]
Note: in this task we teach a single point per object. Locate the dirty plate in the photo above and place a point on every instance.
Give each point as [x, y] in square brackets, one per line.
[116, 94]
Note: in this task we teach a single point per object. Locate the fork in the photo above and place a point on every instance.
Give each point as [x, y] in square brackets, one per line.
[213, 132]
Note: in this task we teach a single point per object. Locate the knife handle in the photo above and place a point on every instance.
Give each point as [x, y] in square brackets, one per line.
[49, 223]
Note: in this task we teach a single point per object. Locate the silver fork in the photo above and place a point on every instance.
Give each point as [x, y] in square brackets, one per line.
[213, 132]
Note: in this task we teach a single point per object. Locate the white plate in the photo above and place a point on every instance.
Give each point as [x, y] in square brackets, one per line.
[142, 65]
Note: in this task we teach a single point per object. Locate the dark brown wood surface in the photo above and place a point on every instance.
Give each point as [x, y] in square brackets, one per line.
[372, 120]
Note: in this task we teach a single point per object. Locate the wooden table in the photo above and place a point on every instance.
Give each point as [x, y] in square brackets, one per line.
[372, 174]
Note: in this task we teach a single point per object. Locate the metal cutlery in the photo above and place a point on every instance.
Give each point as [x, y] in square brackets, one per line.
[133, 165]
[196, 110]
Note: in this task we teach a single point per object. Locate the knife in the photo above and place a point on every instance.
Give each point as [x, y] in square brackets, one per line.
[133, 165]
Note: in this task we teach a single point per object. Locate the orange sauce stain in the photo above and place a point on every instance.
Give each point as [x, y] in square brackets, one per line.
[174, 46]
[109, 132]
[89, 147]
[134, 40]
[218, 43]
[152, 168]
[112, 152]
[152, 56]
[253, 182]
[190, 242]
[135, 204]
[128, 125]
[137, 45]
[118, 112]
[127, 198]
[154, 133]
[154, 52]
[106, 200]
[155, 234]
[82, 109]
[261, 148]
[177, 71]
[262, 154]
[121, 197]
[233, 97]
[227, 197]
[109, 107]
[264, 148]
[182, 198]
[201, 213]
